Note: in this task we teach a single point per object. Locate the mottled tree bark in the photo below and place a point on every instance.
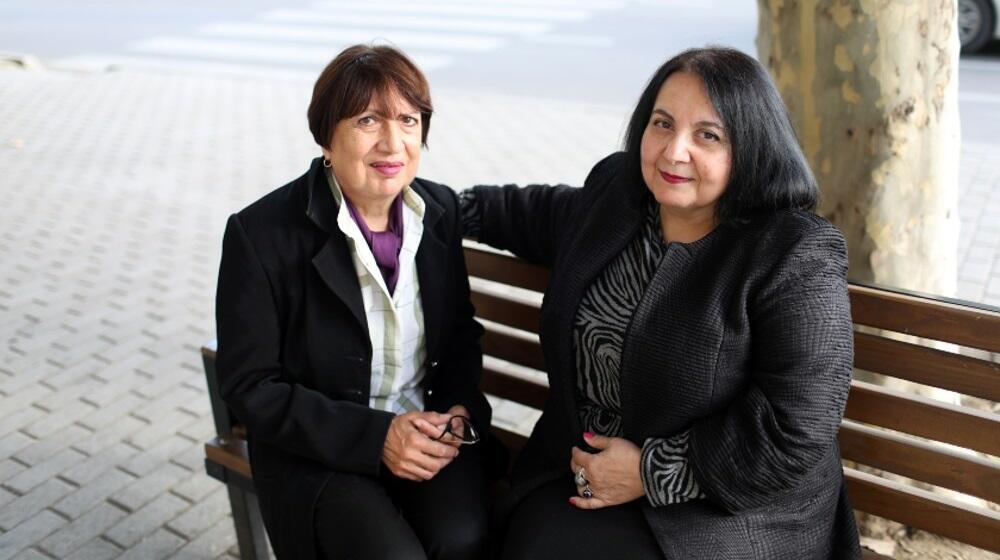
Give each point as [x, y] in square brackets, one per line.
[872, 89]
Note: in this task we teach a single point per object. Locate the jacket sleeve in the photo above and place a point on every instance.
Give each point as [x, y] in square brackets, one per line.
[463, 364]
[343, 435]
[531, 221]
[769, 440]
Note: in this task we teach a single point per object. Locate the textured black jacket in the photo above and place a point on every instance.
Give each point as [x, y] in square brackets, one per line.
[294, 355]
[743, 336]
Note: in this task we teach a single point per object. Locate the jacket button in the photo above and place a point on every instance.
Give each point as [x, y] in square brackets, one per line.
[434, 365]
[430, 392]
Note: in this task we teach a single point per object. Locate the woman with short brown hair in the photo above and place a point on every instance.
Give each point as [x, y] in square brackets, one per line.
[347, 344]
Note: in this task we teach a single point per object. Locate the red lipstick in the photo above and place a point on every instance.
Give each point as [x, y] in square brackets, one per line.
[674, 179]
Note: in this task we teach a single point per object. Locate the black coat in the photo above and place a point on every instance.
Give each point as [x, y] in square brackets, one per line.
[294, 355]
[744, 337]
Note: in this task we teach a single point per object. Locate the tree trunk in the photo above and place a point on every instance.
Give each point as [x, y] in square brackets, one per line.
[872, 87]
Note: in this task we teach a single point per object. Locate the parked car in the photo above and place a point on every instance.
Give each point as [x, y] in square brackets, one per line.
[977, 23]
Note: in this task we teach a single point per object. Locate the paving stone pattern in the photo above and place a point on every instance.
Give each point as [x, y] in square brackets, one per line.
[114, 191]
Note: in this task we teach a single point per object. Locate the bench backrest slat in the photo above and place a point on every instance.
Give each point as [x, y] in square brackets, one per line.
[924, 510]
[484, 262]
[920, 460]
[929, 366]
[527, 353]
[925, 317]
[920, 416]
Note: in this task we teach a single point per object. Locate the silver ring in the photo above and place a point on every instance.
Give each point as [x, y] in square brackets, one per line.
[587, 492]
[581, 477]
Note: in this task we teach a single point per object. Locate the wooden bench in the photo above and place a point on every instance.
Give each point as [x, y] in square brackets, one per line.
[934, 444]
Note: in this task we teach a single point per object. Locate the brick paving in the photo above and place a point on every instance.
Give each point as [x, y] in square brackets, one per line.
[114, 190]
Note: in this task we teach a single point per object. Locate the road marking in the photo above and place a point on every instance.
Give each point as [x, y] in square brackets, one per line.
[329, 35]
[424, 8]
[98, 62]
[595, 41]
[245, 50]
[516, 27]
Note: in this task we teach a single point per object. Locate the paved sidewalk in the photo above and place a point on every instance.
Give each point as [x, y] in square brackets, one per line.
[114, 190]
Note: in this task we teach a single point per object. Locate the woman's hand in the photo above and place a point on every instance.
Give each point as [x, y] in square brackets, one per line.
[434, 431]
[613, 472]
[410, 453]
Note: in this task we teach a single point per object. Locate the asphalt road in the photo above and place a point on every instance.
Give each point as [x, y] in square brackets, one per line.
[583, 50]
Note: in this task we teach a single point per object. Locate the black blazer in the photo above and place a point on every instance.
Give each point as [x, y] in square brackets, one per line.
[294, 355]
[744, 337]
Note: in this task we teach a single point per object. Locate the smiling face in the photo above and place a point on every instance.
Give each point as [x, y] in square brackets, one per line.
[685, 154]
[376, 153]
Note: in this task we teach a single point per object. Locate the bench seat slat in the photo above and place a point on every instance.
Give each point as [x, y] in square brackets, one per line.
[925, 317]
[929, 366]
[919, 460]
[924, 510]
[920, 416]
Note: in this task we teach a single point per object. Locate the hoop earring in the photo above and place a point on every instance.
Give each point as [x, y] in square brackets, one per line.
[327, 164]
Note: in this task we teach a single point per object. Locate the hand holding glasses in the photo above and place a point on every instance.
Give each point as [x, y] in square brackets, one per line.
[459, 430]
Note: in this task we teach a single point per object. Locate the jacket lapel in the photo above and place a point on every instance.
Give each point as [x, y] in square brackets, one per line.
[333, 261]
[432, 268]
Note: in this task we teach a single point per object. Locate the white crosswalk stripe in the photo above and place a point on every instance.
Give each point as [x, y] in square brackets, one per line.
[300, 41]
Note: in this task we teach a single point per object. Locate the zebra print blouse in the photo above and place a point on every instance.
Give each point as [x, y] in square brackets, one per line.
[598, 336]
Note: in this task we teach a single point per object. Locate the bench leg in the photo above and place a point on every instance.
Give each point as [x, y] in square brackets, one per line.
[250, 534]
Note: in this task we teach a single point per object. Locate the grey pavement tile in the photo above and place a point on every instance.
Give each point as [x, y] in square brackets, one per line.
[24, 397]
[160, 544]
[113, 391]
[67, 395]
[14, 442]
[113, 411]
[192, 458]
[59, 419]
[148, 460]
[135, 495]
[82, 529]
[30, 532]
[168, 402]
[94, 492]
[95, 549]
[31, 554]
[200, 431]
[145, 520]
[37, 474]
[6, 496]
[42, 449]
[10, 468]
[212, 543]
[194, 488]
[166, 425]
[975, 272]
[99, 463]
[20, 419]
[204, 514]
[117, 432]
[38, 499]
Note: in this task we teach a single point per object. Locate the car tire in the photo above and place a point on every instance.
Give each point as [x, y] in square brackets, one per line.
[976, 20]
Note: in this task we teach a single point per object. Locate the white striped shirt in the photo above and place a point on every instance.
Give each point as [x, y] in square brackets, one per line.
[395, 321]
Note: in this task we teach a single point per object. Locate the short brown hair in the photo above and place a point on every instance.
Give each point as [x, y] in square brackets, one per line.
[356, 76]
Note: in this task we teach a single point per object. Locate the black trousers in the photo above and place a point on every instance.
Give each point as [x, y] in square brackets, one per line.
[545, 526]
[361, 517]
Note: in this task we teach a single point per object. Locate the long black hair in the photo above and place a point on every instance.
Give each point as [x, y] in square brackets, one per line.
[769, 171]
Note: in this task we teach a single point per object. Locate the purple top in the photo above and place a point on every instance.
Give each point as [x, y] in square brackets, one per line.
[385, 245]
